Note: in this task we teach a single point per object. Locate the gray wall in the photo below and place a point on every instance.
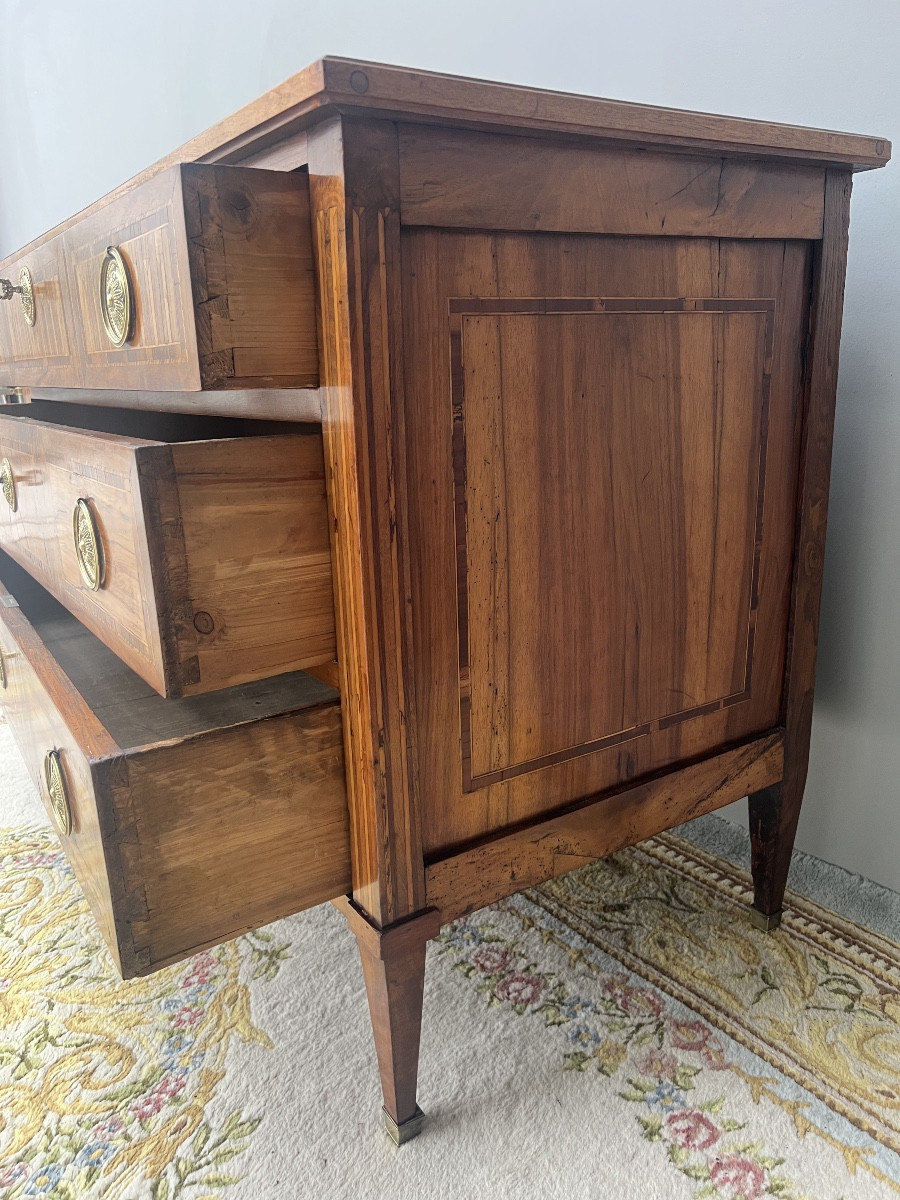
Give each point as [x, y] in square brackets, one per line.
[91, 92]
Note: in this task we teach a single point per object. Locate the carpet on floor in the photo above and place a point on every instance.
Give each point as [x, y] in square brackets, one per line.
[620, 1032]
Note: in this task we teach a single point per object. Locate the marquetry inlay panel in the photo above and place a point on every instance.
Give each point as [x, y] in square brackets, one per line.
[158, 330]
[609, 460]
[591, 482]
[43, 350]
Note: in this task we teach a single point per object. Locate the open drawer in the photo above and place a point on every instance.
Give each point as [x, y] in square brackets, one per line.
[198, 279]
[188, 821]
[202, 564]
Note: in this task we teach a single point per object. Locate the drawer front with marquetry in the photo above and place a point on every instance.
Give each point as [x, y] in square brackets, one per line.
[199, 279]
[38, 345]
[202, 564]
[187, 822]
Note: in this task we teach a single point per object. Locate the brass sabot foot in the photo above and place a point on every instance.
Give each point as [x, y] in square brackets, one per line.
[765, 921]
[406, 1130]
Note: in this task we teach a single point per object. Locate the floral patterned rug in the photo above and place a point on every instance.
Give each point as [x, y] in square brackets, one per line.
[620, 1032]
[808, 1018]
[105, 1081]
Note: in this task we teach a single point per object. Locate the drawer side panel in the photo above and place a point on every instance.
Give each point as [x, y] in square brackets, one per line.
[232, 830]
[249, 242]
[255, 531]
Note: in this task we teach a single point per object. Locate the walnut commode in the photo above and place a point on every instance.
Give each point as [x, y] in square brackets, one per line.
[416, 488]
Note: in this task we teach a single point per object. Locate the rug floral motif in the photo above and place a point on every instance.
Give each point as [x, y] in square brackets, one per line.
[808, 1017]
[105, 1085]
[641, 974]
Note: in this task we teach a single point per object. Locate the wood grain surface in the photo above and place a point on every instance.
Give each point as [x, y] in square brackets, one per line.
[484, 873]
[332, 84]
[148, 230]
[393, 962]
[398, 91]
[220, 261]
[53, 468]
[46, 352]
[221, 834]
[609, 470]
[459, 180]
[249, 243]
[185, 832]
[354, 189]
[607, 479]
[257, 555]
[775, 812]
[46, 712]
[216, 555]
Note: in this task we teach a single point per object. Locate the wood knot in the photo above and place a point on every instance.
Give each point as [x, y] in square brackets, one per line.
[238, 208]
[203, 622]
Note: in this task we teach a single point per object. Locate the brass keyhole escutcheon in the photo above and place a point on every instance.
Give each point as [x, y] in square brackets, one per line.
[26, 295]
[116, 297]
[25, 291]
[8, 483]
[55, 781]
[88, 546]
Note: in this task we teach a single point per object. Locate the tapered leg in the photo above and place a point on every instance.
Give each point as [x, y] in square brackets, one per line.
[395, 989]
[774, 814]
[393, 962]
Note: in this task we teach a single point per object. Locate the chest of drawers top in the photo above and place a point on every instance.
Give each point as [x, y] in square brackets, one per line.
[211, 267]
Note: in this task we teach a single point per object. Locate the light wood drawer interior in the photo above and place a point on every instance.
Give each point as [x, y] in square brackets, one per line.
[213, 558]
[192, 820]
[220, 287]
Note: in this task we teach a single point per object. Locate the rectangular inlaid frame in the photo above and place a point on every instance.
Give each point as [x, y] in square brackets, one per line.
[474, 779]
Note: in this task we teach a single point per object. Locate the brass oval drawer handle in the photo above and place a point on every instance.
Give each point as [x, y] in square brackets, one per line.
[8, 484]
[5, 660]
[55, 781]
[25, 291]
[116, 297]
[88, 546]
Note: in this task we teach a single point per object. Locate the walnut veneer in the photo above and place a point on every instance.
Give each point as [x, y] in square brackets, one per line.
[171, 851]
[215, 559]
[221, 268]
[576, 365]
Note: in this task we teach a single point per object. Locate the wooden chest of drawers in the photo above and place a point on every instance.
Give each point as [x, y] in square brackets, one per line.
[577, 364]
